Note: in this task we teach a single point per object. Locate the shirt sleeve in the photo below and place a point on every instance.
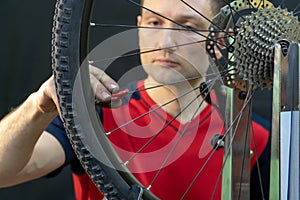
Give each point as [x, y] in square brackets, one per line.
[56, 128]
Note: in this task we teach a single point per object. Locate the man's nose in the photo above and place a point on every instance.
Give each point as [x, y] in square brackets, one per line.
[168, 40]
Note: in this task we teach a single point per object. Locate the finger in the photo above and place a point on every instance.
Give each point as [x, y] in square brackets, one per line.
[116, 100]
[106, 80]
[52, 94]
[100, 91]
[111, 104]
[119, 95]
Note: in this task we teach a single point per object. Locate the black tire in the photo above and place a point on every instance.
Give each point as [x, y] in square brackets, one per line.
[70, 68]
[69, 50]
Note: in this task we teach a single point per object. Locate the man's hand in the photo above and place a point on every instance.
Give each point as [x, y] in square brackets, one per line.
[106, 90]
[26, 150]
[45, 97]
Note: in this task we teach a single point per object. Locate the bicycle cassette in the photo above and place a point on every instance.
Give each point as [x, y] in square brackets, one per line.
[250, 36]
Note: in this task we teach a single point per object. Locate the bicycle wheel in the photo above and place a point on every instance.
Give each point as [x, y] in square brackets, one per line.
[229, 32]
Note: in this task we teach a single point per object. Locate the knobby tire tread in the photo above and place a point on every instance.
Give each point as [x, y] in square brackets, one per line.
[66, 36]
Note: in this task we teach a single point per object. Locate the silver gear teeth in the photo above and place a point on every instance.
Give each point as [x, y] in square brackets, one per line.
[256, 28]
[253, 53]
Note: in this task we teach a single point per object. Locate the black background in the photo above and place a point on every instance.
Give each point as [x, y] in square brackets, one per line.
[25, 63]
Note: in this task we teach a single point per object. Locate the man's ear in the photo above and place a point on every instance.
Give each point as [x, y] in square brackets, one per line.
[139, 20]
[223, 40]
[139, 23]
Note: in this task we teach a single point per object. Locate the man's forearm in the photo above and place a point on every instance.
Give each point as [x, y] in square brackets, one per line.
[19, 132]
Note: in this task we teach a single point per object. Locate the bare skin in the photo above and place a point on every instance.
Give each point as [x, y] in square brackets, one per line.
[28, 152]
[177, 64]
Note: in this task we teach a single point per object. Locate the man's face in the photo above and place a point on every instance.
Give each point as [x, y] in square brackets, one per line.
[181, 61]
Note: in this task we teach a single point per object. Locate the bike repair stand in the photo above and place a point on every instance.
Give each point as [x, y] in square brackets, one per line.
[284, 175]
[236, 169]
[284, 172]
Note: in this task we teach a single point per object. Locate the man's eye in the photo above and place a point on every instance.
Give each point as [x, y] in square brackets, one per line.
[189, 27]
[154, 23]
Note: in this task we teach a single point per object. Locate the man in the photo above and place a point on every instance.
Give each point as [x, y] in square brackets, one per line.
[30, 148]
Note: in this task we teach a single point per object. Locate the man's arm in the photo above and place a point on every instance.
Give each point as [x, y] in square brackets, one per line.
[26, 150]
[26, 153]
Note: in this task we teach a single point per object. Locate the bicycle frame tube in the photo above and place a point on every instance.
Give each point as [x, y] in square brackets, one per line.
[284, 181]
[284, 178]
[236, 174]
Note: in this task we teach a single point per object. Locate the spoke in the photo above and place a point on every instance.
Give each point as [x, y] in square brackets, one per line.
[210, 77]
[225, 66]
[282, 4]
[232, 11]
[161, 130]
[237, 118]
[250, 4]
[147, 27]
[244, 154]
[151, 110]
[210, 21]
[261, 2]
[148, 51]
[198, 174]
[178, 24]
[296, 13]
[296, 7]
[257, 164]
[180, 137]
[213, 77]
[163, 85]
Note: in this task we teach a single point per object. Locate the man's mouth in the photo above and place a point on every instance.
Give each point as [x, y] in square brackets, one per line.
[165, 62]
